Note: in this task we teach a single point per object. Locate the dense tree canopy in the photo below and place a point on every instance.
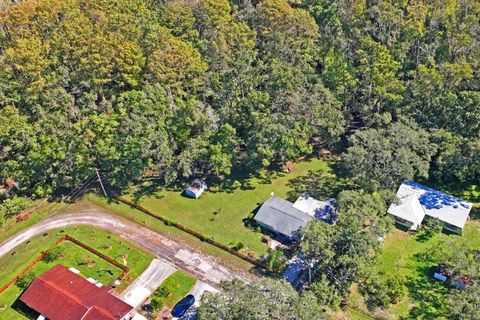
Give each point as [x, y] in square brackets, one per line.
[384, 157]
[338, 254]
[183, 88]
[266, 300]
[180, 88]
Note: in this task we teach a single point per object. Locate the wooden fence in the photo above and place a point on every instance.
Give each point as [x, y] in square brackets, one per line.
[77, 242]
[101, 255]
[194, 233]
[23, 272]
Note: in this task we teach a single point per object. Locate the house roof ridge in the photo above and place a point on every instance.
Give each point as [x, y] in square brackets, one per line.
[62, 292]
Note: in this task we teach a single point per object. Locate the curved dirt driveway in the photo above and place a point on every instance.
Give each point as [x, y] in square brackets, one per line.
[203, 267]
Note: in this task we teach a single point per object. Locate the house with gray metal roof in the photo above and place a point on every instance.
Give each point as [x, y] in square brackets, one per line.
[281, 217]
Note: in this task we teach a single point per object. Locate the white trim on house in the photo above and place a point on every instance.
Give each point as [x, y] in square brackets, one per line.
[408, 209]
[417, 201]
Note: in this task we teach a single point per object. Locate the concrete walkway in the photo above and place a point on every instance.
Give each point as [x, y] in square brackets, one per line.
[198, 289]
[140, 289]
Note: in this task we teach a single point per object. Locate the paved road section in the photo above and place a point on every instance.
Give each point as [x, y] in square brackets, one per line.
[203, 267]
[140, 289]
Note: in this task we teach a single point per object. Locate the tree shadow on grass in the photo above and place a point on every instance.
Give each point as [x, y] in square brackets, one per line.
[317, 184]
[475, 213]
[428, 293]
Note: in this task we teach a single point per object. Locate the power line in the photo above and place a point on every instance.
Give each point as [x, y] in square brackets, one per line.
[81, 189]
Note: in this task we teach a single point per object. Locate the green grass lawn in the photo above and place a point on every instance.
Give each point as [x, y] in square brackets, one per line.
[178, 284]
[90, 265]
[11, 227]
[125, 211]
[403, 255]
[220, 213]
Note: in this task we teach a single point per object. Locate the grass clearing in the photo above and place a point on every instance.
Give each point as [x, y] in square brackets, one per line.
[404, 256]
[221, 213]
[178, 285]
[86, 262]
[307, 176]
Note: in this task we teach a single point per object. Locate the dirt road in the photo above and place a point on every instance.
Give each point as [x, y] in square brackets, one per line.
[205, 268]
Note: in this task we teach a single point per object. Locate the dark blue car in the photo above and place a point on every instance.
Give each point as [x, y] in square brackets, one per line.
[183, 305]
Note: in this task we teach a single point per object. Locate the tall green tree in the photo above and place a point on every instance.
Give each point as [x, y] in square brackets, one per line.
[269, 299]
[382, 158]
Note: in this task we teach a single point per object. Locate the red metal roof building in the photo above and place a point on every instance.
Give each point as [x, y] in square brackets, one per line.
[60, 294]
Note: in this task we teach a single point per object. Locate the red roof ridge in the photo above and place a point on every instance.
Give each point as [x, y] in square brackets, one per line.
[81, 298]
[61, 291]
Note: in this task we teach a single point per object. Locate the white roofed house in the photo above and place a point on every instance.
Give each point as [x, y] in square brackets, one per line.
[417, 202]
[408, 212]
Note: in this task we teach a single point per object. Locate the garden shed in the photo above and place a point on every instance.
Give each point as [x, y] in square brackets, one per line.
[196, 188]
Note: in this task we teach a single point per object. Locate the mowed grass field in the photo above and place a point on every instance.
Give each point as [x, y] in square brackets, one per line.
[221, 213]
[90, 265]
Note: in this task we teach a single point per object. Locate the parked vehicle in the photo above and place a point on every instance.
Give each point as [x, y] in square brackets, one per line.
[444, 273]
[183, 305]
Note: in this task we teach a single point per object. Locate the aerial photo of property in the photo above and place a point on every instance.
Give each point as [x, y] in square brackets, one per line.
[239, 160]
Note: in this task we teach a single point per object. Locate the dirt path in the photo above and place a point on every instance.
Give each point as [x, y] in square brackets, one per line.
[205, 268]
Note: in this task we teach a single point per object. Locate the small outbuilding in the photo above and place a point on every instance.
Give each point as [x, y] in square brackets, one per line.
[196, 188]
[320, 210]
[416, 202]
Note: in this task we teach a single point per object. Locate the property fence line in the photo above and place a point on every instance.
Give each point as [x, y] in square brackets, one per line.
[194, 233]
[101, 255]
[125, 269]
[24, 271]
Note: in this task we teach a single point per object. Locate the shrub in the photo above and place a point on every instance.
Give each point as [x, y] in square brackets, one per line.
[238, 246]
[13, 206]
[25, 281]
[277, 261]
[156, 304]
[429, 228]
[379, 291]
[162, 292]
[171, 223]
[236, 184]
[53, 254]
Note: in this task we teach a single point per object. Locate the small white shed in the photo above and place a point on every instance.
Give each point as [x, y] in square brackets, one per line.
[196, 188]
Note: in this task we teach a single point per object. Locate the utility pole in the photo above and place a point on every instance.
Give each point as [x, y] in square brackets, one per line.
[101, 183]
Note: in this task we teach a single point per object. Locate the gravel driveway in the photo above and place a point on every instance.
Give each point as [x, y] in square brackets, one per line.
[203, 267]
